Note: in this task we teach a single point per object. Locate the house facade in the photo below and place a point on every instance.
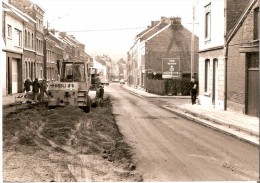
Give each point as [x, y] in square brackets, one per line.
[29, 56]
[243, 62]
[226, 28]
[53, 52]
[212, 54]
[13, 22]
[38, 14]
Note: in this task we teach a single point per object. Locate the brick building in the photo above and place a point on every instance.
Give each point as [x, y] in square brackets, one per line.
[243, 62]
[164, 39]
[53, 52]
[227, 43]
[33, 38]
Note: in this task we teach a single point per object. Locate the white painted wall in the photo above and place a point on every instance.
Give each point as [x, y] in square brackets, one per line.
[16, 24]
[216, 40]
[3, 68]
[217, 24]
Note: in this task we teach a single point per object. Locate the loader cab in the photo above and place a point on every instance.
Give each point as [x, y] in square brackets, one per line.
[73, 72]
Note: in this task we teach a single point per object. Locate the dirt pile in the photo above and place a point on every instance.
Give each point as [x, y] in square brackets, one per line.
[65, 144]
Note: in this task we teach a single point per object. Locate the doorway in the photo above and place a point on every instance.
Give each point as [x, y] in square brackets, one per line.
[215, 82]
[253, 84]
[14, 76]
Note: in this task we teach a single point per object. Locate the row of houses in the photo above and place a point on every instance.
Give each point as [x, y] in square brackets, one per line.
[30, 50]
[224, 57]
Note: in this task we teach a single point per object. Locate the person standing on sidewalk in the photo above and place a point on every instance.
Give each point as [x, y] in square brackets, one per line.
[36, 87]
[193, 89]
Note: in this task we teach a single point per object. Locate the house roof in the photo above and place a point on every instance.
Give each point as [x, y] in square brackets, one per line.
[143, 32]
[19, 12]
[56, 37]
[241, 20]
[153, 30]
[148, 31]
[14, 11]
[158, 32]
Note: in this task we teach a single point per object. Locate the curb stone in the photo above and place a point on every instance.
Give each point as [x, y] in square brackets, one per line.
[205, 122]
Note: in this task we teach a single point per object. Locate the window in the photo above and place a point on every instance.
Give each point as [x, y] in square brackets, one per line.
[25, 39]
[9, 31]
[17, 38]
[29, 40]
[207, 22]
[32, 42]
[207, 66]
[73, 72]
[256, 24]
[39, 24]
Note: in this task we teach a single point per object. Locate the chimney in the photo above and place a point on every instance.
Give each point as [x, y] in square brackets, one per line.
[154, 23]
[52, 31]
[176, 20]
[165, 20]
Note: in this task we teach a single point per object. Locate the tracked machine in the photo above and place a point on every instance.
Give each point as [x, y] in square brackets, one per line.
[72, 87]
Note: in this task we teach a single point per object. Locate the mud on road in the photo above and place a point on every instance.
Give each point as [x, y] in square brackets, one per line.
[64, 145]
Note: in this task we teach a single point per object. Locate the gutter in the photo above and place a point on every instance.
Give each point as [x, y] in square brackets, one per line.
[225, 55]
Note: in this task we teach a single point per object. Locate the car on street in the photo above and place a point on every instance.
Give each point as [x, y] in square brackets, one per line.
[122, 81]
[116, 80]
[105, 82]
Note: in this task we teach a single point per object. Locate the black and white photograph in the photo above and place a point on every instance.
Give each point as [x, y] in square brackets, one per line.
[130, 91]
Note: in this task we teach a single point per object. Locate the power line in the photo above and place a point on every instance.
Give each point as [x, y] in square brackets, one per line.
[102, 30]
[116, 29]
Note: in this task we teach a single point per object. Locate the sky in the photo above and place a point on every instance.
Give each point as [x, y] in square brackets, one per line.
[110, 26]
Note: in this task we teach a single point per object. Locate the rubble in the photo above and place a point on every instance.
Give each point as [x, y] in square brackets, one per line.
[62, 137]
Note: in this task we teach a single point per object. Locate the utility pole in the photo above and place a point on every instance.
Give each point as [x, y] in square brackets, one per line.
[192, 42]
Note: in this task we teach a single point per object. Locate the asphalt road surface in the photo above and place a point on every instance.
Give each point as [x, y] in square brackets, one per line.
[167, 147]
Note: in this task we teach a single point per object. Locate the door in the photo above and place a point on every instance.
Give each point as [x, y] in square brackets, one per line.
[253, 84]
[253, 92]
[215, 83]
[14, 76]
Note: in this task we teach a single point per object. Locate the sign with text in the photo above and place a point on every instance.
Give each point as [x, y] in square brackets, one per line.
[170, 68]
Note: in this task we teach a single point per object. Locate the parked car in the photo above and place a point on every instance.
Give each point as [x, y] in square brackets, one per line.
[122, 81]
[106, 82]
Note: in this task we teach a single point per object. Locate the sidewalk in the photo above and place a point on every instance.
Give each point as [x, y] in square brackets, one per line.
[239, 125]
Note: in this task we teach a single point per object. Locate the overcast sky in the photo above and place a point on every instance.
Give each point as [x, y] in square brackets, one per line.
[109, 26]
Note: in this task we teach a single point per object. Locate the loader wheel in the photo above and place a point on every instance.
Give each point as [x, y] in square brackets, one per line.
[87, 108]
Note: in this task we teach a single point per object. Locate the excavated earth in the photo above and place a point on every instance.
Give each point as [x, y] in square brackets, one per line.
[64, 145]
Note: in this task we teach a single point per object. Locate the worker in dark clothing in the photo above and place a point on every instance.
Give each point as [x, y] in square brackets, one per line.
[36, 86]
[193, 89]
[27, 86]
[43, 88]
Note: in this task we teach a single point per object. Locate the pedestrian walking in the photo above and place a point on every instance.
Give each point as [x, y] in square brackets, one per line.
[43, 88]
[36, 86]
[27, 86]
[193, 89]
